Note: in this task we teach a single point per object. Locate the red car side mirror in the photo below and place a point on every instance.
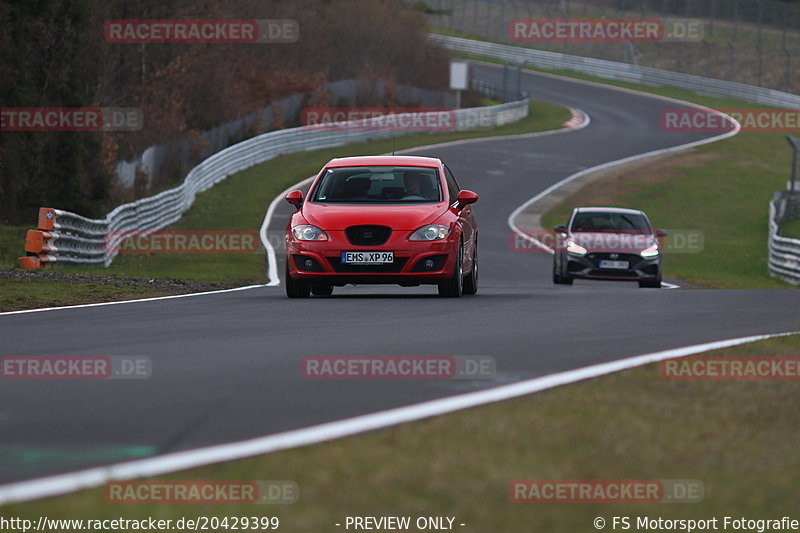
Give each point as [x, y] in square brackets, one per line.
[295, 198]
[466, 197]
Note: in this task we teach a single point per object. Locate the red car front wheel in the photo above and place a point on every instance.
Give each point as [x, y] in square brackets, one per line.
[452, 287]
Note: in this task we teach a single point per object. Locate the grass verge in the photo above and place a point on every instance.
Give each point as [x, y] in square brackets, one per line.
[790, 228]
[737, 437]
[238, 203]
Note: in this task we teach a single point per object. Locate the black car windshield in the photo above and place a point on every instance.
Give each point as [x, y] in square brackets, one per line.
[610, 221]
[378, 185]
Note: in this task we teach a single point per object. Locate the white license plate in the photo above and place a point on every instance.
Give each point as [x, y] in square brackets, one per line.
[367, 258]
[613, 264]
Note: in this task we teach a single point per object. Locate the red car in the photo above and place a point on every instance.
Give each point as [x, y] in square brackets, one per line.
[382, 219]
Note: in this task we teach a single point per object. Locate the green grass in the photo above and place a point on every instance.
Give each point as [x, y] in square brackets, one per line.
[239, 203]
[12, 243]
[738, 438]
[30, 294]
[791, 228]
[726, 197]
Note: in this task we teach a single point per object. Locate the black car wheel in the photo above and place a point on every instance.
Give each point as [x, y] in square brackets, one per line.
[321, 289]
[558, 279]
[471, 281]
[452, 287]
[296, 288]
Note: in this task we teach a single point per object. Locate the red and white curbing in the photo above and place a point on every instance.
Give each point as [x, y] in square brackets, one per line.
[577, 120]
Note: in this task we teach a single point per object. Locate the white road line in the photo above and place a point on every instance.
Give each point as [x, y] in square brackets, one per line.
[153, 299]
[173, 462]
[272, 261]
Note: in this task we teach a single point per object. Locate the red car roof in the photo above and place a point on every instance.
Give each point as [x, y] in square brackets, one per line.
[380, 160]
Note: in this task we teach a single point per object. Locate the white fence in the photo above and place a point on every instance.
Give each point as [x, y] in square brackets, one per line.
[613, 70]
[784, 253]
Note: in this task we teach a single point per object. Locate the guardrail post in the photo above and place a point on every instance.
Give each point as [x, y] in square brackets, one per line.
[505, 81]
[37, 243]
[794, 142]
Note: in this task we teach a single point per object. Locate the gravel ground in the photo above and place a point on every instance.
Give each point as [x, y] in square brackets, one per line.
[170, 285]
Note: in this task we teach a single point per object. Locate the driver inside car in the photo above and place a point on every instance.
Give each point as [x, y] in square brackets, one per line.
[413, 184]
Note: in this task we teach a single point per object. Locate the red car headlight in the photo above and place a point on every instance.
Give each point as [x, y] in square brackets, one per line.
[431, 232]
[307, 232]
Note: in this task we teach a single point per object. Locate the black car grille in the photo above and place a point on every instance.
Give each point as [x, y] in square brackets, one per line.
[389, 268]
[595, 258]
[368, 235]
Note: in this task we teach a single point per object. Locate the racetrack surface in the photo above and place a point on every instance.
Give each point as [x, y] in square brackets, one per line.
[226, 366]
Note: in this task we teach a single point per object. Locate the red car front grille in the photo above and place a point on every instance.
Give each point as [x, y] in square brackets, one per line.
[368, 235]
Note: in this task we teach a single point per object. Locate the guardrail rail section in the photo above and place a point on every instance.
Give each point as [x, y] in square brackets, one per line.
[784, 253]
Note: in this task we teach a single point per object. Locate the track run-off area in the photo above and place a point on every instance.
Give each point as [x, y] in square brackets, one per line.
[226, 366]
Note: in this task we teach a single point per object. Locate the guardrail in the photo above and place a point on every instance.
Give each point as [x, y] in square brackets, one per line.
[620, 71]
[65, 237]
[784, 253]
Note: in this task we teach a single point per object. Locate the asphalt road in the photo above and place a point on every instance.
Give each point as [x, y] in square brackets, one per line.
[227, 366]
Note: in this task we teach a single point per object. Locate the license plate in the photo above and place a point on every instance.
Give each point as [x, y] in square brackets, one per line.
[613, 264]
[367, 258]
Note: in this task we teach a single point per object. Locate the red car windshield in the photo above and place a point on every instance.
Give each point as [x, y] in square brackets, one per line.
[378, 185]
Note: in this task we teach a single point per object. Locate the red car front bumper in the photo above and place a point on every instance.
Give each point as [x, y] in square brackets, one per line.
[415, 262]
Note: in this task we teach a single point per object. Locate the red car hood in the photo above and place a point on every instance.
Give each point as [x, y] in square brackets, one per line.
[608, 242]
[399, 217]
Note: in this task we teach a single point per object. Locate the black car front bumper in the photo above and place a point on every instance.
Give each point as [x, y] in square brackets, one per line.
[589, 266]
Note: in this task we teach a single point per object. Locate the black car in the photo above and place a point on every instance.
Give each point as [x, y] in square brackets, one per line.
[608, 243]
